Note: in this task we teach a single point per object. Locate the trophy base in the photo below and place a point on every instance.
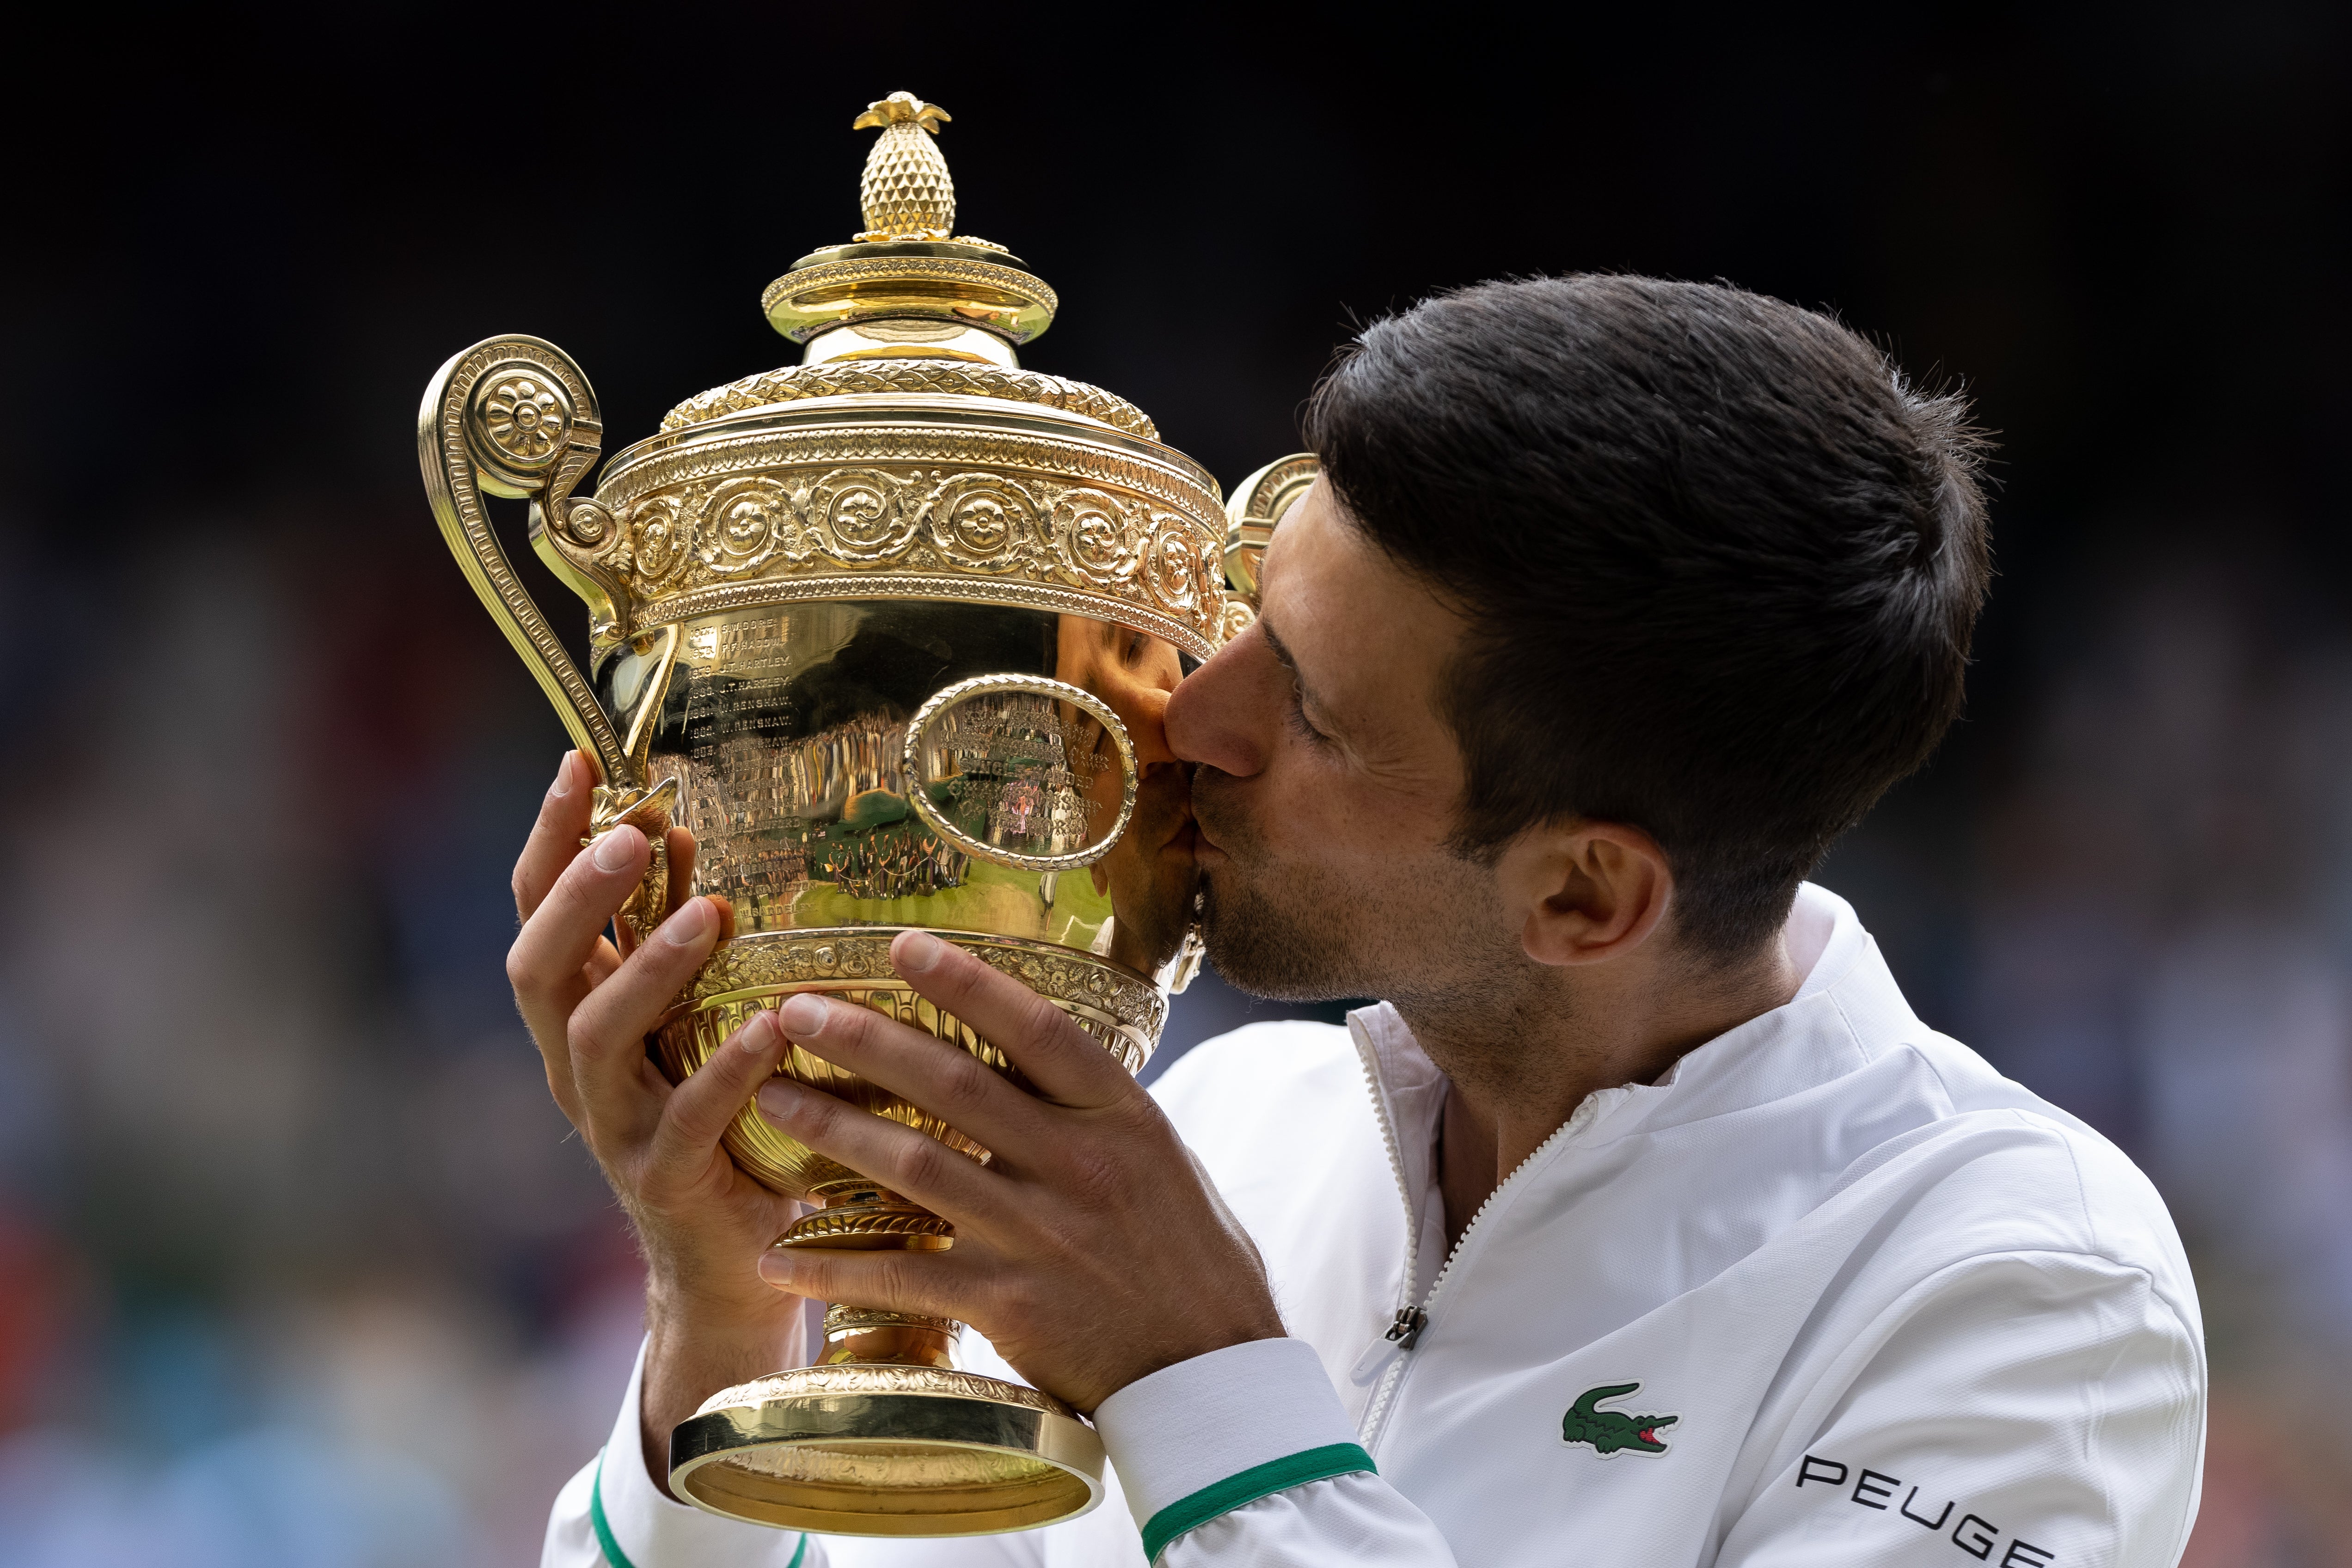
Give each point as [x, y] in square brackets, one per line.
[869, 1449]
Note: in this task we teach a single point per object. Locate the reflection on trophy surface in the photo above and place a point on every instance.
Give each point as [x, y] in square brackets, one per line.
[890, 632]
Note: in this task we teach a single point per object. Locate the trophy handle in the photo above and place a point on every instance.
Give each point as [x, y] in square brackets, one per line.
[514, 417]
[1257, 504]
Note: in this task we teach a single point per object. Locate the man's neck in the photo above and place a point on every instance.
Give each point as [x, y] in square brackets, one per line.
[1519, 1072]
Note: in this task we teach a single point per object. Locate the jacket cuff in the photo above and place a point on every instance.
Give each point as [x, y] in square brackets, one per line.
[638, 1525]
[1197, 1440]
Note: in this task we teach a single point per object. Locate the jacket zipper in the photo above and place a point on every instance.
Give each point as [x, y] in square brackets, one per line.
[1387, 1356]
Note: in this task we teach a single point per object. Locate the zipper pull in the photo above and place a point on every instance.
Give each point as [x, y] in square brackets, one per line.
[1403, 1333]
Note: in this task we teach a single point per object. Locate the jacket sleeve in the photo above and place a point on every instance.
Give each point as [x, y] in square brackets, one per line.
[610, 1515]
[2022, 1410]
[1245, 1459]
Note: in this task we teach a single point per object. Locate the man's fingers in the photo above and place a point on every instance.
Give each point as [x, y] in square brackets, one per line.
[555, 837]
[607, 1031]
[929, 1284]
[556, 1058]
[890, 1154]
[563, 932]
[946, 1080]
[679, 842]
[700, 1109]
[1063, 1061]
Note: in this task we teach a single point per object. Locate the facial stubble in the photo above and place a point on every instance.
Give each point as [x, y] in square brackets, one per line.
[1417, 929]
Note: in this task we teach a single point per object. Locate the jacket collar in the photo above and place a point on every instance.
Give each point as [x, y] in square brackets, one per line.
[1847, 1011]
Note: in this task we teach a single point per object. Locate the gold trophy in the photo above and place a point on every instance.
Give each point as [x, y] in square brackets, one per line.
[873, 627]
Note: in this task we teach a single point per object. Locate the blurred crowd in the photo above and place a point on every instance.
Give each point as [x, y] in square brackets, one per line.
[2161, 942]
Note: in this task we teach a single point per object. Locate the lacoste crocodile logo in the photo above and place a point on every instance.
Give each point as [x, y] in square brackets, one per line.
[1609, 1432]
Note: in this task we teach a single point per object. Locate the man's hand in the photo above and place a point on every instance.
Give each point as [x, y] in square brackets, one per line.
[1091, 1249]
[703, 1223]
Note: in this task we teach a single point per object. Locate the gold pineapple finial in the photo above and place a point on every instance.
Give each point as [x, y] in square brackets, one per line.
[907, 193]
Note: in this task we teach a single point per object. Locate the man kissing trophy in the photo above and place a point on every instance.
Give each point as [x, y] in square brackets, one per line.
[1640, 1216]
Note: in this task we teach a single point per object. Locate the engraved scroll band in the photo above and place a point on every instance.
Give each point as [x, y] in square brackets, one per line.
[750, 515]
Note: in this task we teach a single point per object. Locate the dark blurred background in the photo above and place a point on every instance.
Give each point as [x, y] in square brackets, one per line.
[298, 1266]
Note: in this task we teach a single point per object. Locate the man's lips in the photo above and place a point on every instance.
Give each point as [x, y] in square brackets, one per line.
[1208, 800]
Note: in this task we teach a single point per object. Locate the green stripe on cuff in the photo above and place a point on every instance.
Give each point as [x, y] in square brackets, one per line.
[605, 1542]
[612, 1548]
[1259, 1480]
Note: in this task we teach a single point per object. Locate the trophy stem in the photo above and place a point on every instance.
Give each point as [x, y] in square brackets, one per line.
[884, 1435]
[864, 1336]
[858, 1214]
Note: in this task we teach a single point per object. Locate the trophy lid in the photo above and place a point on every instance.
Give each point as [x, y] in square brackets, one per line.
[908, 266]
[909, 455]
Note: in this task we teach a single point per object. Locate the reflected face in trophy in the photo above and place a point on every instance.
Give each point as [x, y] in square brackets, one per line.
[1150, 874]
[1326, 783]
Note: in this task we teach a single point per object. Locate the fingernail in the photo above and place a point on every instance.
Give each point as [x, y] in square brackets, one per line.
[803, 1016]
[562, 785]
[758, 1035]
[918, 953]
[618, 848]
[777, 1266]
[685, 928]
[779, 1098]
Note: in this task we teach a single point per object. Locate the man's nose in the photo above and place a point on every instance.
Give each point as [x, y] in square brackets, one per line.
[1217, 714]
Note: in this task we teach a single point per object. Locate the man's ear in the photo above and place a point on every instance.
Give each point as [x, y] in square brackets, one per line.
[1590, 891]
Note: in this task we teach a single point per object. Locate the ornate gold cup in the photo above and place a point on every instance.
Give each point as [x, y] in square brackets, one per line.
[884, 629]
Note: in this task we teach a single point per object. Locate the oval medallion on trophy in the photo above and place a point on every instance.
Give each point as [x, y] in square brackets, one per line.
[1022, 770]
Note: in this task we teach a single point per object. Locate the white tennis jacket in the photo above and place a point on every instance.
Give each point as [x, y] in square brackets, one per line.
[1831, 1293]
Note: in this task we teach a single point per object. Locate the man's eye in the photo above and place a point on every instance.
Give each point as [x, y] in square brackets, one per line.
[1299, 721]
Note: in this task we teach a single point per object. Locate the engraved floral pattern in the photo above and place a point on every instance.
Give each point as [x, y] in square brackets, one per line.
[1171, 565]
[662, 535]
[861, 514]
[1208, 577]
[1094, 538]
[745, 522]
[588, 523]
[524, 417]
[983, 522]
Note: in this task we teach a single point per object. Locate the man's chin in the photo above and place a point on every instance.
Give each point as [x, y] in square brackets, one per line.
[1265, 952]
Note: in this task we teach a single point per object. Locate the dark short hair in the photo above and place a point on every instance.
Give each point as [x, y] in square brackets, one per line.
[1719, 561]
